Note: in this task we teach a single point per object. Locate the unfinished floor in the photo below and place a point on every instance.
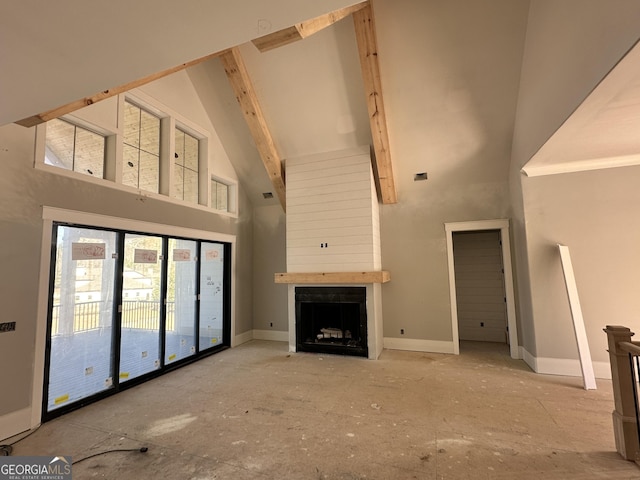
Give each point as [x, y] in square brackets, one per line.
[259, 412]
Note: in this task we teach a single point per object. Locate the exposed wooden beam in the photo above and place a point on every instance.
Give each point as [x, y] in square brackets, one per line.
[368, 51]
[246, 95]
[84, 102]
[334, 277]
[304, 29]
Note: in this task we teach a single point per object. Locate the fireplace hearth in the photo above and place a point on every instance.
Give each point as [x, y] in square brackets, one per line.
[331, 320]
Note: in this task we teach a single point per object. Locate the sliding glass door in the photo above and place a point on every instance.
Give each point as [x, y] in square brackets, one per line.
[182, 276]
[126, 306]
[212, 294]
[81, 315]
[141, 306]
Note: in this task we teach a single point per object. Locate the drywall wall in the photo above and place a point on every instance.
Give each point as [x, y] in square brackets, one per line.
[570, 47]
[450, 73]
[219, 102]
[178, 93]
[24, 190]
[269, 257]
[595, 215]
[243, 228]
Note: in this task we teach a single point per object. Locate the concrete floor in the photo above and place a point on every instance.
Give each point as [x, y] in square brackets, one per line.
[258, 412]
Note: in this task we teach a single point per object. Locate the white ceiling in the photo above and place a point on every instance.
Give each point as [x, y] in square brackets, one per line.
[55, 52]
[311, 91]
[603, 132]
[312, 96]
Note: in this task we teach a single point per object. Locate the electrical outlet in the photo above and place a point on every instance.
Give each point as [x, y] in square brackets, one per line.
[482, 324]
[271, 324]
[402, 331]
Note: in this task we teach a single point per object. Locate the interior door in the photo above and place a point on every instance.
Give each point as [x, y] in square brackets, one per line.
[480, 293]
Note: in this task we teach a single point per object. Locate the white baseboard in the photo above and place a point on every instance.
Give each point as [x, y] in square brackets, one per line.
[243, 338]
[563, 366]
[416, 345]
[272, 335]
[14, 423]
[528, 358]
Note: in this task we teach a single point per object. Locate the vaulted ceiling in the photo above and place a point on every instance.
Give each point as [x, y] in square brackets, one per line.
[339, 69]
[304, 73]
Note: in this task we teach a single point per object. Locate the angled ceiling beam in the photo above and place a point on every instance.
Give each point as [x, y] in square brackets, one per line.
[368, 51]
[304, 29]
[84, 102]
[241, 83]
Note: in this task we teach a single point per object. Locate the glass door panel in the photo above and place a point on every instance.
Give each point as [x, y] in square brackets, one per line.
[81, 315]
[141, 306]
[211, 294]
[180, 325]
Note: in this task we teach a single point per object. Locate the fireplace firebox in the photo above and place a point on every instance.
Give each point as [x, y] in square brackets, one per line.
[331, 320]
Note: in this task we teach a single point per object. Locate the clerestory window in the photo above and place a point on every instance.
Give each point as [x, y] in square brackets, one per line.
[186, 166]
[141, 150]
[74, 148]
[219, 196]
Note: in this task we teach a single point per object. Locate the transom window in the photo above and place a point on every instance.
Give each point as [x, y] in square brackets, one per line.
[141, 150]
[74, 148]
[186, 167]
[138, 143]
[219, 196]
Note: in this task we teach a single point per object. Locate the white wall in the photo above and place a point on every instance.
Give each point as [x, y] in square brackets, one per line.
[450, 72]
[570, 46]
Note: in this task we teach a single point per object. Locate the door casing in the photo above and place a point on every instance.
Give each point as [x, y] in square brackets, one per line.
[503, 226]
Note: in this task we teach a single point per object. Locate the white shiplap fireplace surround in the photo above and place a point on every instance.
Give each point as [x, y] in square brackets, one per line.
[333, 232]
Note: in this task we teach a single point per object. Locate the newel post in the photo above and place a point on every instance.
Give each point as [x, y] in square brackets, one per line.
[625, 427]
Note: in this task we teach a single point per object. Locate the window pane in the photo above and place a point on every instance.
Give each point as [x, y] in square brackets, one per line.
[222, 196]
[179, 155]
[130, 166]
[59, 144]
[191, 186]
[80, 356]
[149, 133]
[131, 128]
[211, 294]
[191, 152]
[89, 153]
[141, 149]
[180, 339]
[149, 172]
[178, 186]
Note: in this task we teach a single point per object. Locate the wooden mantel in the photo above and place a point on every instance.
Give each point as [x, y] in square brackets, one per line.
[333, 277]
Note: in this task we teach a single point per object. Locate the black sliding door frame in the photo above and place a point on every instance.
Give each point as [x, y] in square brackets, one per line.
[117, 313]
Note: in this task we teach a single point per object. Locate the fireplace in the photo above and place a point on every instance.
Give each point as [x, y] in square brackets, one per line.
[334, 257]
[331, 320]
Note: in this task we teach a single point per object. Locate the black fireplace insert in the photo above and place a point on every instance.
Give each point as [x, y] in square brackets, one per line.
[331, 320]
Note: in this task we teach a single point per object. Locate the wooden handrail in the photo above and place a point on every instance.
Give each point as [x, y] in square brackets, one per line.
[630, 347]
